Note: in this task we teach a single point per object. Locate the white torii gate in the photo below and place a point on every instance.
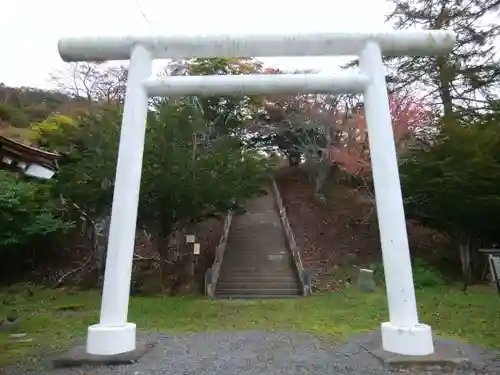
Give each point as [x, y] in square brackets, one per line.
[403, 333]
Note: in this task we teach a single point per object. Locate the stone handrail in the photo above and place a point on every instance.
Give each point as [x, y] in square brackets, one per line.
[212, 274]
[304, 275]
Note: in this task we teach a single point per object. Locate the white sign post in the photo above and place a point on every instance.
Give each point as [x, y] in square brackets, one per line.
[196, 249]
[403, 333]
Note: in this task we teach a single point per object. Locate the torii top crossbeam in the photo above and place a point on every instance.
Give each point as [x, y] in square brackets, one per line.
[392, 43]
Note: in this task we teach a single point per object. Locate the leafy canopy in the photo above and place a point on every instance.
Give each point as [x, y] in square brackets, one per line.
[28, 211]
[454, 186]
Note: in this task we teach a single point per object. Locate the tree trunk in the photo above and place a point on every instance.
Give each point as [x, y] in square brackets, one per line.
[165, 257]
[294, 158]
[445, 88]
[322, 173]
[464, 247]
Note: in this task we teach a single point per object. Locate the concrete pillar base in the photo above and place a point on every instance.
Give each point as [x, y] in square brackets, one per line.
[414, 340]
[106, 340]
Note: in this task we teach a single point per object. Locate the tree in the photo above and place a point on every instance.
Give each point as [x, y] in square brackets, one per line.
[29, 203]
[312, 130]
[413, 122]
[302, 126]
[453, 186]
[30, 215]
[331, 130]
[13, 116]
[182, 181]
[224, 114]
[26, 105]
[96, 83]
[93, 141]
[97, 138]
[465, 80]
[55, 133]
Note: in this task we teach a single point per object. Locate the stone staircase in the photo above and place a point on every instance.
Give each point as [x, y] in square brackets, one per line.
[257, 262]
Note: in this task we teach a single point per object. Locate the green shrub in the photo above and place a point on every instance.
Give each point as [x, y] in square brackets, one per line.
[14, 116]
[424, 275]
[28, 211]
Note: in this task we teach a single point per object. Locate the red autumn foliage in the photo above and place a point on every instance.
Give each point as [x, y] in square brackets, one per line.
[410, 117]
[349, 147]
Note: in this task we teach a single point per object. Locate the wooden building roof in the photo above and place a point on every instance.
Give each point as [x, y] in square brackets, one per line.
[26, 159]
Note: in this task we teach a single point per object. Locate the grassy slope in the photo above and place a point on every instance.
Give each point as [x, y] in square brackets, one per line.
[54, 318]
[24, 135]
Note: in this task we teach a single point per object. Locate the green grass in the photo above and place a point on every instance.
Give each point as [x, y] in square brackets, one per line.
[54, 318]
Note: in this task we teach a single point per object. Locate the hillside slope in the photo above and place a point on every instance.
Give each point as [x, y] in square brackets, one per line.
[342, 230]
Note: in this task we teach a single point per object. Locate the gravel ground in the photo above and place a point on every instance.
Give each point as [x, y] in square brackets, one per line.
[258, 353]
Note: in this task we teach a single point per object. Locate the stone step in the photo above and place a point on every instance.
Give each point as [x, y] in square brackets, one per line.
[261, 275]
[248, 251]
[267, 256]
[259, 292]
[256, 268]
[259, 250]
[263, 232]
[250, 264]
[265, 269]
[249, 267]
[258, 218]
[239, 278]
[263, 250]
[251, 244]
[236, 277]
[266, 229]
[250, 233]
[256, 244]
[257, 284]
[264, 221]
[274, 240]
[250, 296]
[253, 277]
[263, 283]
[256, 261]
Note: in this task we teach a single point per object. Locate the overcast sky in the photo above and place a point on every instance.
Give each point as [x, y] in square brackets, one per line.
[30, 29]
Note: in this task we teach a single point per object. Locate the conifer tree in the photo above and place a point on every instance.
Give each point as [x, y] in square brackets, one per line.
[465, 81]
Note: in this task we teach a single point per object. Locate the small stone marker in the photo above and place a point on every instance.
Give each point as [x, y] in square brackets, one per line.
[366, 282]
[24, 340]
[17, 335]
[20, 337]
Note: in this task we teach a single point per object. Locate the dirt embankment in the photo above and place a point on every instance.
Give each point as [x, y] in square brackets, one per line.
[76, 262]
[342, 230]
